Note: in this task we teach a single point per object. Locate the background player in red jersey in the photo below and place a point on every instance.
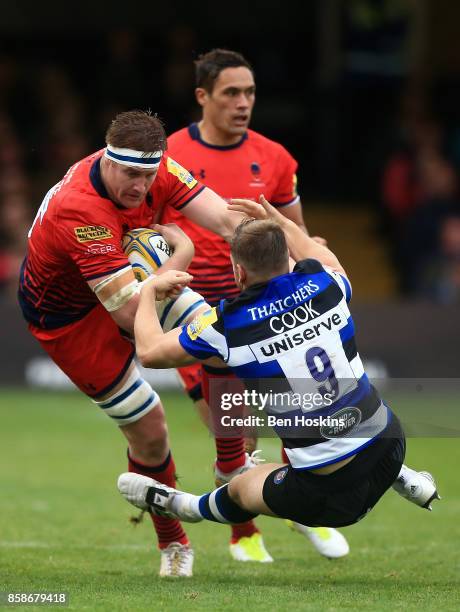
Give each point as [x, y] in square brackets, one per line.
[77, 288]
[236, 162]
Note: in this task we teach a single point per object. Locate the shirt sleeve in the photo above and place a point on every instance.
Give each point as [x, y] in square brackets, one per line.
[285, 193]
[174, 185]
[201, 339]
[313, 266]
[91, 236]
[342, 281]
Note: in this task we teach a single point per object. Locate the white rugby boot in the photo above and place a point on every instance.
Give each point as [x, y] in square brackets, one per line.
[252, 460]
[327, 541]
[417, 487]
[134, 489]
[176, 561]
[149, 494]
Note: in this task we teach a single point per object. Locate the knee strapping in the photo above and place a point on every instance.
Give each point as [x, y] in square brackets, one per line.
[131, 402]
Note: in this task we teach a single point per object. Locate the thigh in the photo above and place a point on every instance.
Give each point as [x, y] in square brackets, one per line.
[91, 352]
[289, 494]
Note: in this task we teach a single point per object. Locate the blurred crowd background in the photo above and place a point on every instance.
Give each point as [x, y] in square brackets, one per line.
[364, 93]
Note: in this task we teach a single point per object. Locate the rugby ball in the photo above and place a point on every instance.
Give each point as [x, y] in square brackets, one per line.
[147, 250]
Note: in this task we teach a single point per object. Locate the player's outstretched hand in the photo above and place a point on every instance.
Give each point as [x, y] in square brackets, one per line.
[168, 284]
[174, 236]
[264, 210]
[257, 210]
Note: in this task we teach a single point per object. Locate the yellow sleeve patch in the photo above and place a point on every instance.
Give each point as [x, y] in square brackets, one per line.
[202, 321]
[294, 185]
[181, 173]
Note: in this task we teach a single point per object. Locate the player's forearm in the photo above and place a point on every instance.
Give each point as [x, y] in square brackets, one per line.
[210, 211]
[294, 213]
[117, 292]
[229, 226]
[301, 246]
[124, 317]
[182, 248]
[179, 260]
[156, 349]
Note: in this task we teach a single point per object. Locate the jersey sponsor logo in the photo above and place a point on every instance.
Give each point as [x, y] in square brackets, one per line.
[181, 173]
[202, 321]
[280, 476]
[269, 349]
[278, 306]
[288, 320]
[100, 249]
[87, 233]
[348, 420]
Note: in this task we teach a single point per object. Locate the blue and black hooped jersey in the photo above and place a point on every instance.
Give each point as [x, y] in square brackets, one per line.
[294, 339]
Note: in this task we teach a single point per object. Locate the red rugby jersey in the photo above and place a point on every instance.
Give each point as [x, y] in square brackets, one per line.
[253, 166]
[77, 233]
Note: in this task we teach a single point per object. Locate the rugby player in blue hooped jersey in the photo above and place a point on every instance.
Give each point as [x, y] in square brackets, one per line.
[332, 479]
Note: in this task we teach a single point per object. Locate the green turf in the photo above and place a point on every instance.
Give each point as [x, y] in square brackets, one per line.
[64, 527]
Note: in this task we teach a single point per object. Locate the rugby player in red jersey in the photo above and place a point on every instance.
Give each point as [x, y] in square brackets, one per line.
[236, 162]
[77, 288]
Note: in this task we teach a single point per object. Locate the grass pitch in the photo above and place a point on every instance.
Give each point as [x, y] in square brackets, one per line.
[64, 527]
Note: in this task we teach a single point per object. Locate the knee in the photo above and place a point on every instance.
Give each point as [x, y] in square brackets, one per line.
[236, 491]
[154, 430]
[148, 438]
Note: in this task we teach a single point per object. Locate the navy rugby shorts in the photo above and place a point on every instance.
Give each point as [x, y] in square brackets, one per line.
[343, 497]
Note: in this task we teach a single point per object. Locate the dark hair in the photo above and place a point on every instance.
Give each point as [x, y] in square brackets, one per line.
[209, 65]
[260, 246]
[138, 130]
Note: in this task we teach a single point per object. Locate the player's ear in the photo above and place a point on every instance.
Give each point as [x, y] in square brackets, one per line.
[241, 274]
[201, 96]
